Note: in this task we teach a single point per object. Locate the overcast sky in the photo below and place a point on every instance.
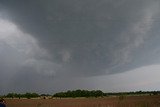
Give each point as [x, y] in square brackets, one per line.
[48, 46]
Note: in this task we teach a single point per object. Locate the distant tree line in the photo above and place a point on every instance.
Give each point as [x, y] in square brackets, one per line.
[26, 95]
[99, 93]
[133, 93]
[79, 93]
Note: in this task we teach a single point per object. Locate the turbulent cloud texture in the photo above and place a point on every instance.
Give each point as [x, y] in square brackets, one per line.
[45, 40]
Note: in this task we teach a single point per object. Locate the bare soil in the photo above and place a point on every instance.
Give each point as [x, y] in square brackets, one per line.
[125, 101]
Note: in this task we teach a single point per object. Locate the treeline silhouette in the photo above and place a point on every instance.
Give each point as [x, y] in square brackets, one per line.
[79, 93]
[99, 93]
[26, 95]
[133, 93]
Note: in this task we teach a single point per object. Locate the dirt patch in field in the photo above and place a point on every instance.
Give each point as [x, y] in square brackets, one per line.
[127, 101]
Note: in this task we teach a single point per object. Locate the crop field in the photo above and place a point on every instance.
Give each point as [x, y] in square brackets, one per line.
[122, 101]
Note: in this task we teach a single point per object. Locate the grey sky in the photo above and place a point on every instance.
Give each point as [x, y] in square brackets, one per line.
[53, 45]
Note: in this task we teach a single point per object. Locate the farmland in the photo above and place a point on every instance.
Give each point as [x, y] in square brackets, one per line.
[119, 101]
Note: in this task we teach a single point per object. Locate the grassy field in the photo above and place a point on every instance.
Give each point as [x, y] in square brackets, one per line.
[123, 101]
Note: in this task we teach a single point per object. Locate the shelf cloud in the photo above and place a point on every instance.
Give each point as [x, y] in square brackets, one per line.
[45, 40]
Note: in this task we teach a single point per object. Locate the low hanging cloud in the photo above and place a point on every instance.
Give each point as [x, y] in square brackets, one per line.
[20, 52]
[84, 38]
[67, 39]
[23, 62]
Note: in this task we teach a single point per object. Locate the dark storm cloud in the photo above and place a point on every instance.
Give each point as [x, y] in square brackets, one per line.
[46, 44]
[88, 37]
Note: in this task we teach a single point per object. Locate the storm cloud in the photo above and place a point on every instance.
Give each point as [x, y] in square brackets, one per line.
[51, 39]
